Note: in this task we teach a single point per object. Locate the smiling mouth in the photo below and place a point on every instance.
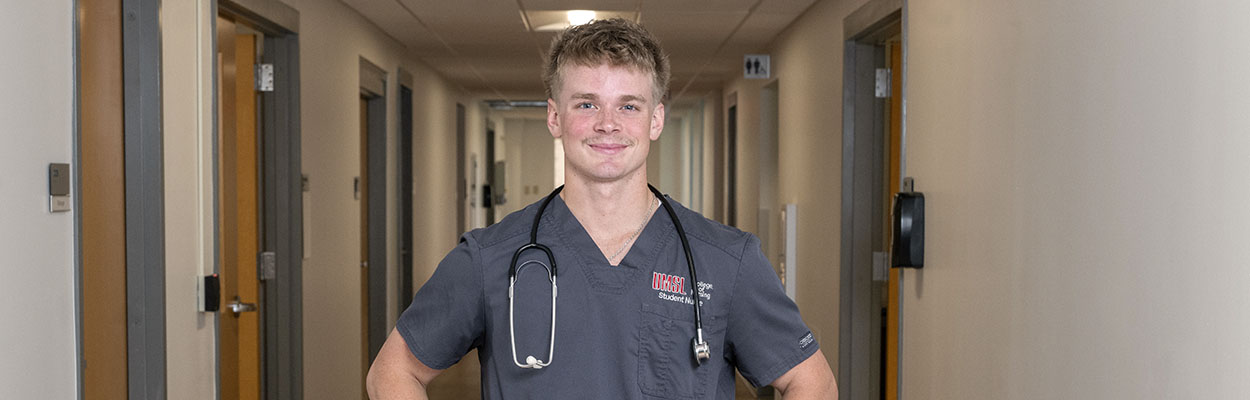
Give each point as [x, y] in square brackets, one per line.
[609, 148]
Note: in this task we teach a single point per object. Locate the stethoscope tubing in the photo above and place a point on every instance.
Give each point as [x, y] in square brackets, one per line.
[685, 245]
[701, 349]
[531, 362]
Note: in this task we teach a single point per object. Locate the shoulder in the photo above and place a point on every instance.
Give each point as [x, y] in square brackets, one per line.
[732, 241]
[514, 225]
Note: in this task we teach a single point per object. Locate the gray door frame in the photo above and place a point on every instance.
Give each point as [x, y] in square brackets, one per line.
[861, 355]
[373, 85]
[463, 199]
[407, 190]
[731, 161]
[282, 187]
[145, 200]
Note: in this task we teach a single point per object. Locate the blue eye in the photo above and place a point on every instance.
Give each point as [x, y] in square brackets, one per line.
[630, 107]
[585, 105]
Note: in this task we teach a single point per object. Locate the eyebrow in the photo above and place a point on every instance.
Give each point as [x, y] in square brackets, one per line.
[632, 98]
[624, 99]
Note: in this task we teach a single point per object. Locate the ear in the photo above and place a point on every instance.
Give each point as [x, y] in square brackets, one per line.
[657, 122]
[553, 119]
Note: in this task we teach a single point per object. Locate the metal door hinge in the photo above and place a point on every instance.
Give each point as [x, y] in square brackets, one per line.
[880, 266]
[264, 77]
[267, 266]
[883, 83]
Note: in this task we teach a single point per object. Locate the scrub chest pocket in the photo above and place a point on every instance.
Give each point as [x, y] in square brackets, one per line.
[666, 368]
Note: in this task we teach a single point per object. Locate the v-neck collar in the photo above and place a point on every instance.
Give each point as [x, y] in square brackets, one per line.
[642, 254]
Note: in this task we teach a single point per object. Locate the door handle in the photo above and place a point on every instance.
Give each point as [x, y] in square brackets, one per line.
[237, 306]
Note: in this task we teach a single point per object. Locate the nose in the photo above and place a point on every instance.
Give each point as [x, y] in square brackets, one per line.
[606, 122]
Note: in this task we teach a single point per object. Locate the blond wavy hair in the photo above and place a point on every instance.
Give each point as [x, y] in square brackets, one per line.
[616, 42]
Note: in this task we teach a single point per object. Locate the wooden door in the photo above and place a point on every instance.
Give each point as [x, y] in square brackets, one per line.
[238, 190]
[894, 49]
[103, 213]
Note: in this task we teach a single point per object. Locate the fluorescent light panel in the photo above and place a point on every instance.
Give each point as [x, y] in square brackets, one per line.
[558, 20]
[580, 17]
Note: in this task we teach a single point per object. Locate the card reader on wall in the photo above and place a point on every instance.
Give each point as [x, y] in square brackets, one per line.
[908, 247]
[209, 293]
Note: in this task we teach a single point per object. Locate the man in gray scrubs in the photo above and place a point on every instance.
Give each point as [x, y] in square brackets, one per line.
[623, 313]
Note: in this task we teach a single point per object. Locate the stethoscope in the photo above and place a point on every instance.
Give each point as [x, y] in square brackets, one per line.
[701, 349]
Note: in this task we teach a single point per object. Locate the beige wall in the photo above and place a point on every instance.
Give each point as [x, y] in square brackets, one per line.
[37, 337]
[807, 66]
[187, 90]
[664, 165]
[1084, 171]
[809, 71]
[713, 140]
[332, 40]
[745, 94]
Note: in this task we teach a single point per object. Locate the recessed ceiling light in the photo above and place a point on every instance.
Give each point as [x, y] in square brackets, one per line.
[580, 17]
[558, 20]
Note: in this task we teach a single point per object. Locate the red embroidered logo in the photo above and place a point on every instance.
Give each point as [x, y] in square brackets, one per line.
[668, 283]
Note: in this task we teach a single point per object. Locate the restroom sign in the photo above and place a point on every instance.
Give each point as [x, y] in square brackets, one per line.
[756, 66]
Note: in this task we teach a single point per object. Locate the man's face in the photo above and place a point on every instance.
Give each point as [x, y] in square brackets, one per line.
[607, 118]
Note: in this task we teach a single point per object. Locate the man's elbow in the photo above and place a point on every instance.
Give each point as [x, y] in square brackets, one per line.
[396, 373]
[388, 380]
[817, 387]
[811, 379]
[374, 380]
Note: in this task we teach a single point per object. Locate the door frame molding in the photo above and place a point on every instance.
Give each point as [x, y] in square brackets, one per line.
[374, 84]
[405, 186]
[282, 190]
[145, 199]
[863, 119]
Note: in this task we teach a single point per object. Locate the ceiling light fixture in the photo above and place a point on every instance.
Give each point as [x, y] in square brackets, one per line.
[580, 17]
[558, 20]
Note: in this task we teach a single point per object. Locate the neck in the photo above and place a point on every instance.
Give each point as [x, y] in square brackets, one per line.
[611, 212]
[596, 199]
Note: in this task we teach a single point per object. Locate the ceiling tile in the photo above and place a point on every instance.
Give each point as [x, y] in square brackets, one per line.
[491, 51]
[687, 6]
[438, 8]
[761, 28]
[793, 7]
[607, 5]
[698, 29]
[394, 20]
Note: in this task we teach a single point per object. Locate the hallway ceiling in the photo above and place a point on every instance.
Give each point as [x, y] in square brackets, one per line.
[485, 47]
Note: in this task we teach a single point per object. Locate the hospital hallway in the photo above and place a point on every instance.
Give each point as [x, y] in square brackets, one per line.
[966, 199]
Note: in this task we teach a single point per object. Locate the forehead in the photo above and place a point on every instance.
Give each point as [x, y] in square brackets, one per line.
[605, 80]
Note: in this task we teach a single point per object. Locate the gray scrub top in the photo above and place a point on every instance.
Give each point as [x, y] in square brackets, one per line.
[622, 332]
